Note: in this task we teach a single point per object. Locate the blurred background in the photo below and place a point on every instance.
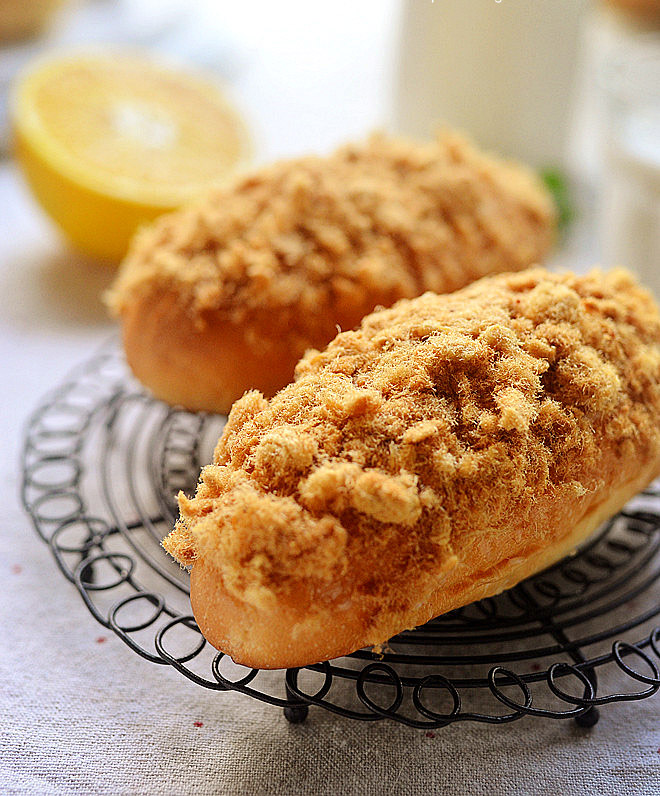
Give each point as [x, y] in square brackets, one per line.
[570, 86]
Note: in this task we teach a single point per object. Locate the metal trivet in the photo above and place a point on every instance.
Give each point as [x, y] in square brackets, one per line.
[101, 465]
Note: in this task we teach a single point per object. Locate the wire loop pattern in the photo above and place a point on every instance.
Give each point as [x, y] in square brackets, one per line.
[102, 464]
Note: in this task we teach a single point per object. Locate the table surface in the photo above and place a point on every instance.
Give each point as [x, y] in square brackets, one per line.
[81, 712]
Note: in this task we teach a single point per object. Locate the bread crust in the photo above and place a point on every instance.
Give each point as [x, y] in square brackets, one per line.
[448, 448]
[205, 363]
[295, 633]
[227, 295]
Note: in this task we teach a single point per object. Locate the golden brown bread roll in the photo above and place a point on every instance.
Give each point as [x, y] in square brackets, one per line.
[227, 295]
[20, 19]
[442, 452]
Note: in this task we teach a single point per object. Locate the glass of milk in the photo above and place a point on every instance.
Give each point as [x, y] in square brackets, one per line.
[630, 212]
[501, 70]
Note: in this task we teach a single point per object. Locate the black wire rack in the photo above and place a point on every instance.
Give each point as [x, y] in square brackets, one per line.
[102, 463]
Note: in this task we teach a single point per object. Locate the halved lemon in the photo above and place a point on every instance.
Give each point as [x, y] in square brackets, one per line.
[109, 141]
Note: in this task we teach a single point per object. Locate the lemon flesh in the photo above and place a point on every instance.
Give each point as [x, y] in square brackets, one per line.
[108, 142]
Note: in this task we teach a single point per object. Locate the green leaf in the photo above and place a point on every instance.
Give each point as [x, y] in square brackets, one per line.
[558, 186]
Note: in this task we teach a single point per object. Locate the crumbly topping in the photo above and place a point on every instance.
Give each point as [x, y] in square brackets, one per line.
[435, 420]
[372, 223]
